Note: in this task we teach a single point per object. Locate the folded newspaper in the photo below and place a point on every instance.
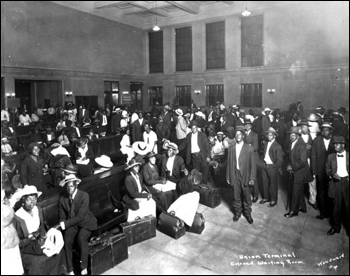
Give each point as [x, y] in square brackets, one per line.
[168, 186]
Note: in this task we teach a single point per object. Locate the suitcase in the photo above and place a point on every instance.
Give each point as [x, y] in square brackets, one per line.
[171, 225]
[209, 196]
[106, 251]
[140, 229]
[198, 224]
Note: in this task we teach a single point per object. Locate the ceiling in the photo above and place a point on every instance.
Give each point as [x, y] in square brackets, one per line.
[143, 14]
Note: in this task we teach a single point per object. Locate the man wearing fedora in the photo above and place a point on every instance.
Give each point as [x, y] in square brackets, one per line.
[272, 165]
[322, 147]
[337, 168]
[241, 174]
[172, 165]
[251, 138]
[299, 168]
[77, 222]
[320, 111]
[198, 150]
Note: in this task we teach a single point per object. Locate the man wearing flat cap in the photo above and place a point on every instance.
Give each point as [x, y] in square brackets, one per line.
[299, 168]
[241, 174]
[337, 168]
[322, 147]
[198, 150]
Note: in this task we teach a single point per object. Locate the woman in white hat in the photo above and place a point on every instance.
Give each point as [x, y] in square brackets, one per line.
[137, 197]
[28, 222]
[104, 162]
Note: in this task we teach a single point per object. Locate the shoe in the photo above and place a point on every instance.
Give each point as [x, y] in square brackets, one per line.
[314, 206]
[263, 201]
[250, 220]
[84, 272]
[236, 218]
[290, 214]
[303, 210]
[71, 273]
[272, 204]
[321, 216]
[255, 199]
[333, 231]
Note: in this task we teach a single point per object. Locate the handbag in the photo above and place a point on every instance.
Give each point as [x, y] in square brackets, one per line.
[171, 225]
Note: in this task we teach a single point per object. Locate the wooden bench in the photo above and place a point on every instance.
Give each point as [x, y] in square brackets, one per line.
[99, 187]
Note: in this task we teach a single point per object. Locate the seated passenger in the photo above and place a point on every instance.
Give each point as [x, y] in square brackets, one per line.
[104, 162]
[30, 227]
[151, 177]
[137, 197]
[61, 124]
[6, 148]
[63, 139]
[125, 144]
[84, 156]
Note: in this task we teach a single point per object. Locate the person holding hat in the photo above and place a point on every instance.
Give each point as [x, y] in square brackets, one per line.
[150, 137]
[29, 224]
[104, 162]
[137, 197]
[241, 174]
[251, 138]
[337, 168]
[151, 177]
[76, 221]
[322, 147]
[172, 165]
[271, 166]
[299, 168]
[163, 132]
[198, 150]
[33, 167]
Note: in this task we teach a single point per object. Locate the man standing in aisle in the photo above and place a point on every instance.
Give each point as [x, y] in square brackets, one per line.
[241, 175]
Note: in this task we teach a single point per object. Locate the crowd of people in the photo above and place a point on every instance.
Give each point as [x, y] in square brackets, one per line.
[163, 149]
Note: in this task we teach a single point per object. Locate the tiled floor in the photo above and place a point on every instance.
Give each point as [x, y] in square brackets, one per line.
[220, 248]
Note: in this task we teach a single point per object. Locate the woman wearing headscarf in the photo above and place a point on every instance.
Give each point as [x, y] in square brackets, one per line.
[33, 168]
[41, 251]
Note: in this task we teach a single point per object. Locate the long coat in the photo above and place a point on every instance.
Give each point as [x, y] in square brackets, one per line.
[79, 214]
[203, 145]
[298, 161]
[247, 165]
[31, 173]
[319, 155]
[331, 168]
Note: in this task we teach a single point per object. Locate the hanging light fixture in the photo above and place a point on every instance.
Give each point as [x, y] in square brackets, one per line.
[246, 12]
[156, 27]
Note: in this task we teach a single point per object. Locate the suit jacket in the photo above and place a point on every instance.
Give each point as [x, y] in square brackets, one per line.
[276, 155]
[162, 131]
[319, 155]
[167, 119]
[203, 145]
[265, 124]
[298, 161]
[309, 142]
[247, 165]
[79, 213]
[150, 174]
[331, 169]
[115, 123]
[225, 125]
[137, 130]
[178, 167]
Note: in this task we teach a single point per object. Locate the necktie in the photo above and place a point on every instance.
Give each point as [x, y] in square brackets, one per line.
[70, 201]
[340, 155]
[71, 206]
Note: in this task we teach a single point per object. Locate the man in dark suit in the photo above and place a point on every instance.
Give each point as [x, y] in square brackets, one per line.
[83, 114]
[137, 128]
[198, 150]
[212, 115]
[272, 165]
[163, 132]
[115, 121]
[77, 222]
[172, 165]
[299, 167]
[241, 174]
[251, 138]
[337, 168]
[322, 147]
